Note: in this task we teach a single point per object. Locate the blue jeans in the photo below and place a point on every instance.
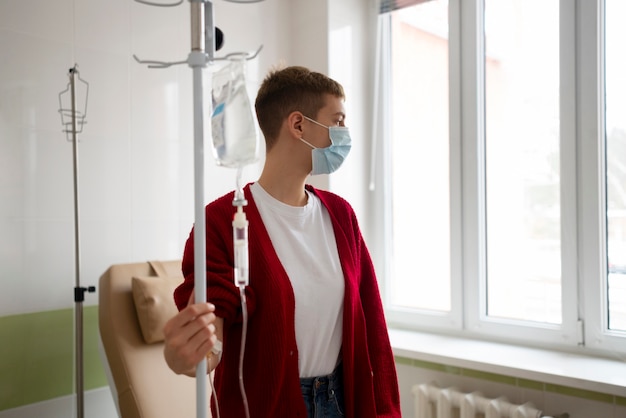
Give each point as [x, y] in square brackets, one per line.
[323, 395]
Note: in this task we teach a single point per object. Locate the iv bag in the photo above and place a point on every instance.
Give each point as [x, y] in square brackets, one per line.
[235, 139]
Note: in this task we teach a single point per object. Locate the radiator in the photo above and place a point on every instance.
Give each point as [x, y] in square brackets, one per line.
[432, 401]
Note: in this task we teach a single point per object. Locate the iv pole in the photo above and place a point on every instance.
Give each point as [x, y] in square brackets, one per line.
[203, 46]
[202, 53]
[79, 292]
[200, 16]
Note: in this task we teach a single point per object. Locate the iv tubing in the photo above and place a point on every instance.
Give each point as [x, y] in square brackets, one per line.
[240, 199]
[240, 274]
[244, 332]
[217, 407]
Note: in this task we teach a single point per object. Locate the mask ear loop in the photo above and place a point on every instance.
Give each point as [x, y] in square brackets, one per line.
[308, 143]
[315, 122]
[323, 126]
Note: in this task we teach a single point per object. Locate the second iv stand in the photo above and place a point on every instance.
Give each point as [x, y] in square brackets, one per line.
[73, 120]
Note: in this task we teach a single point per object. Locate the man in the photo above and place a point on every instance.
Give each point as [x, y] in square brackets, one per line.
[316, 341]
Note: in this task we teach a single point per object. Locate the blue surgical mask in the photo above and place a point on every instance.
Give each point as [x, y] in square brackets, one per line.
[328, 160]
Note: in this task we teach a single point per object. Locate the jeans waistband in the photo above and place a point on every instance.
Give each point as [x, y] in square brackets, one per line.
[333, 381]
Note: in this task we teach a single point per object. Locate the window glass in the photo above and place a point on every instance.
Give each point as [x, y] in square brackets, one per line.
[615, 79]
[522, 160]
[420, 161]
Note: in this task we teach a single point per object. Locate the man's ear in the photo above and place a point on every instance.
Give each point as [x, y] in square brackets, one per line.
[294, 124]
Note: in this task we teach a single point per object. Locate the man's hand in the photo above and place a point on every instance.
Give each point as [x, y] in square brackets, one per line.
[189, 336]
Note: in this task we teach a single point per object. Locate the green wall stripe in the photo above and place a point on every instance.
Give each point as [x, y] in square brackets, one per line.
[37, 357]
[492, 377]
[94, 374]
[531, 384]
[403, 360]
[525, 383]
[580, 393]
[438, 367]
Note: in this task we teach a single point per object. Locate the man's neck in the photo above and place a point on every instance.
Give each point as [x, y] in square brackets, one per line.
[283, 182]
[284, 190]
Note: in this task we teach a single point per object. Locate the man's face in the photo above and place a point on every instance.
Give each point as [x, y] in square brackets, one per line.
[332, 114]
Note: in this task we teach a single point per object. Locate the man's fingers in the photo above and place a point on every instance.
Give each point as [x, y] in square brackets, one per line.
[201, 313]
[189, 336]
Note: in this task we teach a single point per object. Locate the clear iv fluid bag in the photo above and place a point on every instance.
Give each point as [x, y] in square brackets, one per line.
[235, 139]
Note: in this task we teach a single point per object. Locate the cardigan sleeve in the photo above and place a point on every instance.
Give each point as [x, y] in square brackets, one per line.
[221, 290]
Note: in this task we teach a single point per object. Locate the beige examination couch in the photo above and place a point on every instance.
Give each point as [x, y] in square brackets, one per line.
[135, 300]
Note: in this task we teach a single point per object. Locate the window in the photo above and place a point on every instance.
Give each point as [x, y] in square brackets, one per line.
[505, 170]
[419, 150]
[521, 64]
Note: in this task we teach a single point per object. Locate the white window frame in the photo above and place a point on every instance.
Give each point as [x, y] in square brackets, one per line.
[592, 188]
[583, 212]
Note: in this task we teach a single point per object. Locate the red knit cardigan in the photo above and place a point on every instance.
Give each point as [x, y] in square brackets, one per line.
[271, 374]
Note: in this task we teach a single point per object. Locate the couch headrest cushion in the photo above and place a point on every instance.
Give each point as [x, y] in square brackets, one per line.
[154, 302]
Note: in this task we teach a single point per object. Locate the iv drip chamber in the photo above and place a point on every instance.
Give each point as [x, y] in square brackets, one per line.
[240, 241]
[235, 138]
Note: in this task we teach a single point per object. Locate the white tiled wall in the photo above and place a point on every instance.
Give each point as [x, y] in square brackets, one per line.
[135, 152]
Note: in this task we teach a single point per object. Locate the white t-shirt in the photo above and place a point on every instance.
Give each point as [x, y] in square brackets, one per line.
[304, 241]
